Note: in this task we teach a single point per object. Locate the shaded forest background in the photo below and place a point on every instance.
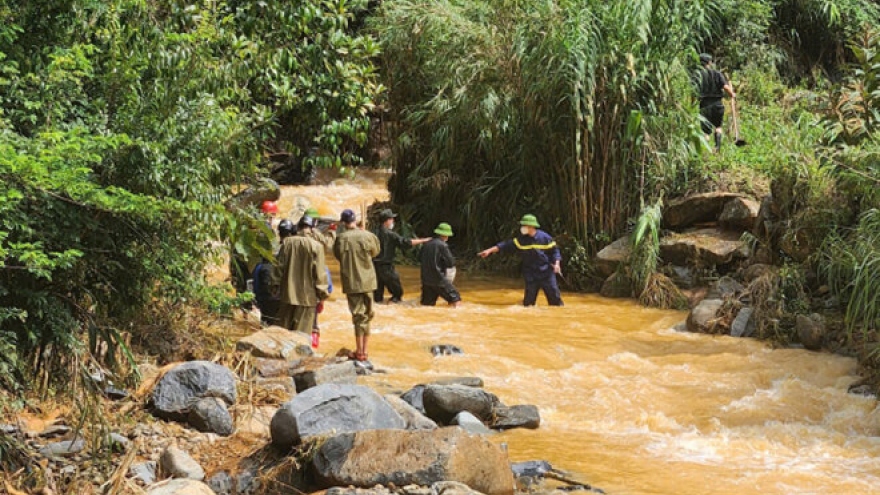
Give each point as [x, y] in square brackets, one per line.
[126, 124]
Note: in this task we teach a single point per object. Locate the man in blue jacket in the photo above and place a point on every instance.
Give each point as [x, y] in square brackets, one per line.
[540, 259]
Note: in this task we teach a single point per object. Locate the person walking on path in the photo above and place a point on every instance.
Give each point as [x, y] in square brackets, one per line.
[438, 267]
[712, 86]
[540, 260]
[355, 249]
[300, 279]
[389, 241]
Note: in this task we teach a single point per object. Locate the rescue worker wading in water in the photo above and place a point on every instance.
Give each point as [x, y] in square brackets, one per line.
[540, 260]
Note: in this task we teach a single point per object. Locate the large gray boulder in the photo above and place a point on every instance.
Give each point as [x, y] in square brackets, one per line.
[739, 214]
[443, 402]
[210, 414]
[331, 408]
[276, 343]
[612, 255]
[180, 487]
[699, 208]
[421, 457]
[703, 247]
[415, 397]
[471, 424]
[181, 386]
[701, 317]
[521, 416]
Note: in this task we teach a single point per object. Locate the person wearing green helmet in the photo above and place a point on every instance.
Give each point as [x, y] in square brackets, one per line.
[437, 266]
[541, 261]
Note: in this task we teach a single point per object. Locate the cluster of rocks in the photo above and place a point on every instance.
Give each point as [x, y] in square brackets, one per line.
[700, 231]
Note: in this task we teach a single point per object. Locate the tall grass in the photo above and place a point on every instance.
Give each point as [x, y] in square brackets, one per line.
[572, 110]
[851, 265]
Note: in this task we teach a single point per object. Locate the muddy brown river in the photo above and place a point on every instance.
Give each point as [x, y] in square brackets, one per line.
[627, 404]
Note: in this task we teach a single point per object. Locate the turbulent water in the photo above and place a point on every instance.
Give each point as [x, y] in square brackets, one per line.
[627, 404]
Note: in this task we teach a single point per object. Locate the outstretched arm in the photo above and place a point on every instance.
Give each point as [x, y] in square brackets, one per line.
[486, 252]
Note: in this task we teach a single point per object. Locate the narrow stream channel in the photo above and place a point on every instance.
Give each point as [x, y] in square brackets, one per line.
[627, 404]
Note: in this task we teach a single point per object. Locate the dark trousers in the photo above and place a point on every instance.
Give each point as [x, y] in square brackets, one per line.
[548, 285]
[387, 277]
[269, 312]
[446, 290]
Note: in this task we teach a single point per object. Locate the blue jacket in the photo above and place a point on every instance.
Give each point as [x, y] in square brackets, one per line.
[538, 253]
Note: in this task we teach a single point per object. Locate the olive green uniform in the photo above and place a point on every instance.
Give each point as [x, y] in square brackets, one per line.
[299, 277]
[355, 250]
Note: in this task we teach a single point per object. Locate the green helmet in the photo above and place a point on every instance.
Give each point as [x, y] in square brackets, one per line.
[530, 221]
[311, 211]
[444, 229]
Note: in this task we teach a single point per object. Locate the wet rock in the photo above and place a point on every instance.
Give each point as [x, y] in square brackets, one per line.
[276, 343]
[363, 368]
[467, 381]
[530, 469]
[415, 420]
[756, 271]
[702, 247]
[211, 415]
[65, 448]
[470, 424]
[617, 285]
[443, 402]
[799, 244]
[811, 330]
[340, 373]
[680, 326]
[861, 387]
[422, 457]
[724, 288]
[415, 398]
[145, 472]
[331, 407]
[221, 483]
[445, 350]
[744, 324]
[178, 464]
[520, 416]
[739, 214]
[180, 487]
[699, 208]
[178, 389]
[701, 317]
[612, 255]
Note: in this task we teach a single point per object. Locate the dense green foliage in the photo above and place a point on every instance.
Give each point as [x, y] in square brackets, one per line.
[123, 126]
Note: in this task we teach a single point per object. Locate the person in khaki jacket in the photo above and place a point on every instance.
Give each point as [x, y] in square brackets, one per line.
[355, 249]
[300, 279]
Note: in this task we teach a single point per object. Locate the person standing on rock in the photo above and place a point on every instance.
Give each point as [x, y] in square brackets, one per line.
[355, 249]
[300, 279]
[438, 269]
[712, 86]
[541, 261]
[384, 262]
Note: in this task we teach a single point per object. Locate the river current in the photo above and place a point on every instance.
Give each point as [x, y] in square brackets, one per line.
[627, 404]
